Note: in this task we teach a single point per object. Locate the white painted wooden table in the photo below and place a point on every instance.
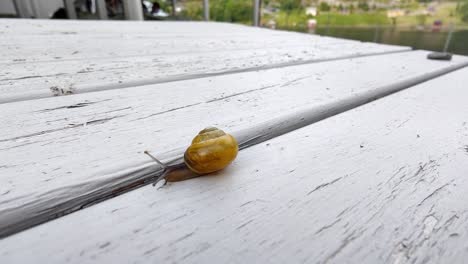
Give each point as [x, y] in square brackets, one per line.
[372, 182]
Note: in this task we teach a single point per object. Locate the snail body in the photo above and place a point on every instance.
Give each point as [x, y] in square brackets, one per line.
[211, 150]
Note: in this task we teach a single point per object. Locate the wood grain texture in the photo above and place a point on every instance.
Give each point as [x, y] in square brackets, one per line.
[75, 60]
[380, 183]
[96, 158]
[55, 38]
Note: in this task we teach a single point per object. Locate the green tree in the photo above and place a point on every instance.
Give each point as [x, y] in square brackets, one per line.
[231, 10]
[290, 5]
[363, 6]
[324, 7]
[463, 10]
[193, 10]
[296, 19]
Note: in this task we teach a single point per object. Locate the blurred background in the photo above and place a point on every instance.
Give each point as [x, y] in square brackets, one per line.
[431, 25]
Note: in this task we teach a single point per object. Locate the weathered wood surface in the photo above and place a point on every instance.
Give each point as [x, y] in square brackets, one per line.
[74, 60]
[380, 183]
[117, 38]
[91, 145]
[65, 78]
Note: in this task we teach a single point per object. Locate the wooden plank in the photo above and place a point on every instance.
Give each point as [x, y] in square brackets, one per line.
[112, 38]
[79, 46]
[82, 61]
[381, 183]
[49, 79]
[61, 155]
[90, 27]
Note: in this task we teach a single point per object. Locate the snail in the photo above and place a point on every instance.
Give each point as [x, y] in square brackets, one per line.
[211, 150]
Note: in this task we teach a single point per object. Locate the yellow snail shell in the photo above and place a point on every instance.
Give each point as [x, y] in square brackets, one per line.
[211, 150]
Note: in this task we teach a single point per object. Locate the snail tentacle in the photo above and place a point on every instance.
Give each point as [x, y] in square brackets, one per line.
[161, 177]
[155, 159]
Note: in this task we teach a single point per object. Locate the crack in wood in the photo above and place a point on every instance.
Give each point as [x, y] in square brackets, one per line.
[20, 145]
[395, 174]
[33, 76]
[342, 246]
[78, 105]
[433, 193]
[91, 122]
[182, 238]
[167, 111]
[450, 221]
[237, 94]
[325, 227]
[151, 250]
[324, 185]
[105, 245]
[244, 224]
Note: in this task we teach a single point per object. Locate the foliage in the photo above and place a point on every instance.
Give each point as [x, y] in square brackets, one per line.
[292, 13]
[294, 19]
[462, 9]
[363, 6]
[237, 11]
[290, 5]
[193, 10]
[324, 7]
[363, 19]
[231, 10]
[340, 7]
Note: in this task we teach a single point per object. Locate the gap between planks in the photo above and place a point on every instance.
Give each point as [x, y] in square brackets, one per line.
[87, 194]
[135, 84]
